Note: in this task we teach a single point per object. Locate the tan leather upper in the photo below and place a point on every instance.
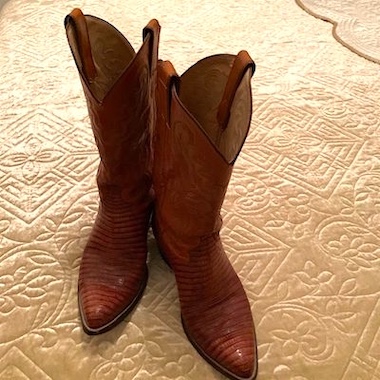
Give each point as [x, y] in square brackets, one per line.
[217, 92]
[203, 120]
[119, 86]
[195, 154]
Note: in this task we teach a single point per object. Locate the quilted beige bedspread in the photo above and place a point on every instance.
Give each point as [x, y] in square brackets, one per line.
[301, 217]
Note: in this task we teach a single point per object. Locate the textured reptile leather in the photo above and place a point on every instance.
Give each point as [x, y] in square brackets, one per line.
[119, 87]
[192, 166]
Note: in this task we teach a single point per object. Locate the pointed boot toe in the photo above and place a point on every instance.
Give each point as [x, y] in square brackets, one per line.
[110, 285]
[224, 334]
[96, 315]
[235, 356]
[102, 307]
[240, 363]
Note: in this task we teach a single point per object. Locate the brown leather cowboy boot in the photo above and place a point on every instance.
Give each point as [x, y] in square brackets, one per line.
[119, 86]
[203, 120]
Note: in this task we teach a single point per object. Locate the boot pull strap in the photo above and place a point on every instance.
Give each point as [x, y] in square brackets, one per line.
[241, 64]
[78, 21]
[153, 30]
[169, 80]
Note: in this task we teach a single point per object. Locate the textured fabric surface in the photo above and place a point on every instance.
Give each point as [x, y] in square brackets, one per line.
[356, 23]
[301, 215]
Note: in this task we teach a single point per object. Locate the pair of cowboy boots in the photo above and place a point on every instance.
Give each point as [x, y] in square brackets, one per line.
[178, 135]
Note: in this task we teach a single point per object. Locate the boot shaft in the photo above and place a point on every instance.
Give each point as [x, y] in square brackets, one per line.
[203, 121]
[119, 86]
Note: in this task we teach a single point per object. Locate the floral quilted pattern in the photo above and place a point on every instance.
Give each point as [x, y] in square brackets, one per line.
[356, 23]
[300, 217]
